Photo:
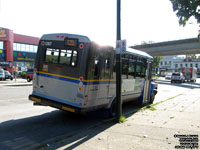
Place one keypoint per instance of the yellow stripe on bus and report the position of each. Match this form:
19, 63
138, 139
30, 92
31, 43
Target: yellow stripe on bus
36, 99
57, 75
68, 109
75, 78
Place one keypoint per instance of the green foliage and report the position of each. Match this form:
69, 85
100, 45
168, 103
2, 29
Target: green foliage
122, 119
191, 56
185, 9
156, 61
23, 74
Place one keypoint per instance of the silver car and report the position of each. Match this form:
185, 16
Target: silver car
177, 77
2, 74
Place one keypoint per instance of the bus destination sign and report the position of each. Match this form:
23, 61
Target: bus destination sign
71, 42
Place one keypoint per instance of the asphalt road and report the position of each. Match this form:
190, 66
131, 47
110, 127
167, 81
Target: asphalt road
24, 126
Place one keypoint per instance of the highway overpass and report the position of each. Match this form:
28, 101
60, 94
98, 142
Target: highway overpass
177, 47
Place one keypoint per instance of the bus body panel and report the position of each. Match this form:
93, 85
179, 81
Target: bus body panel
91, 82
53, 87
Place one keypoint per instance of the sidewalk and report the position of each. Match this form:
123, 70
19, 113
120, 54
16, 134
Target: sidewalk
18, 82
154, 128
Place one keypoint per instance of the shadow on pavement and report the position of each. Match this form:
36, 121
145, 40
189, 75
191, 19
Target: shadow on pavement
74, 141
190, 85
38, 131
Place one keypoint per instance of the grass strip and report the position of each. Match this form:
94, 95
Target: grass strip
151, 107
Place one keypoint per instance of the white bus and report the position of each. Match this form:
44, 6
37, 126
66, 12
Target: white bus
73, 73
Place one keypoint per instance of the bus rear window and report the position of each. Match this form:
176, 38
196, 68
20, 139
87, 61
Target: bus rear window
61, 56
52, 55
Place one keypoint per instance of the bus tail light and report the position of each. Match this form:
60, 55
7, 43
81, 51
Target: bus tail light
179, 77
81, 78
81, 46
35, 70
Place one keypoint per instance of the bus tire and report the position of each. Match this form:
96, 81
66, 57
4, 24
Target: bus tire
112, 110
28, 79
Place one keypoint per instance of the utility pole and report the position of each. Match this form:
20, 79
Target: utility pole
118, 66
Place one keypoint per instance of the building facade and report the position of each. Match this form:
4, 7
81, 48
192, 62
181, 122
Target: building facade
16, 50
175, 63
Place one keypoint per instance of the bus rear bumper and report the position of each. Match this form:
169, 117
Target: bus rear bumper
47, 102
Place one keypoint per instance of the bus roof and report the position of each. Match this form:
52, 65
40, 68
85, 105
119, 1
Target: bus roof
61, 36
138, 53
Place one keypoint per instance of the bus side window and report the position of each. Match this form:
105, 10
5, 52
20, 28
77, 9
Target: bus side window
131, 69
138, 69
124, 69
144, 67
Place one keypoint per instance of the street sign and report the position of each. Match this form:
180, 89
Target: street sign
123, 45
120, 46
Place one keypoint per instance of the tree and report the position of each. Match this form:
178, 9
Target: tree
156, 61
185, 9
191, 56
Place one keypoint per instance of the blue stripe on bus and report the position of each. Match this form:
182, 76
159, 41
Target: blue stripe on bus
59, 78
75, 81
57, 99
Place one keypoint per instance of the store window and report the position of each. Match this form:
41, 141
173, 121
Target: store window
35, 49
1, 45
31, 48
18, 47
14, 46
23, 47
27, 48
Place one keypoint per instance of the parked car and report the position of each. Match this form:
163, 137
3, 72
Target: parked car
2, 74
29, 75
8, 75
177, 77
168, 76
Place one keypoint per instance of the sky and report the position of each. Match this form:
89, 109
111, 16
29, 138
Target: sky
141, 20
